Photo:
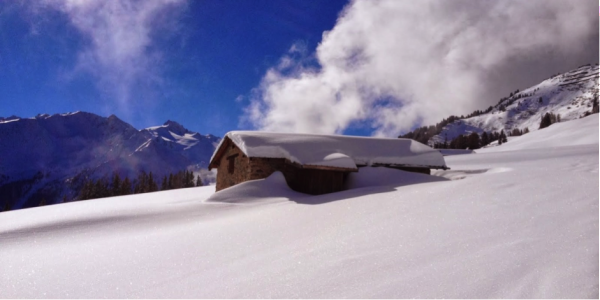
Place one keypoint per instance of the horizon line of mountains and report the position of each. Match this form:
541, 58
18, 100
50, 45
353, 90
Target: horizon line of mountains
44, 155
43, 158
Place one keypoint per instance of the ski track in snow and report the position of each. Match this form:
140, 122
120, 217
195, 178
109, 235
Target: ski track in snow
518, 222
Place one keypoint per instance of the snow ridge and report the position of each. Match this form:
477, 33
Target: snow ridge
570, 94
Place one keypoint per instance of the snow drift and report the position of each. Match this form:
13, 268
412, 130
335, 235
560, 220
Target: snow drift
517, 224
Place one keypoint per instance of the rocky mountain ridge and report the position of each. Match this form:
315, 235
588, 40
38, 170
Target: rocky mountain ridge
569, 95
43, 157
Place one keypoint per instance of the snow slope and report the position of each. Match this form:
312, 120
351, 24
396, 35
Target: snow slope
518, 224
558, 134
570, 94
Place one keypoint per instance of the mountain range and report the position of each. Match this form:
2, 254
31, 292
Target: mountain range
44, 158
570, 95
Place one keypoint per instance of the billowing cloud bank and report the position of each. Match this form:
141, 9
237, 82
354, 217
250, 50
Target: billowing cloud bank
119, 47
395, 63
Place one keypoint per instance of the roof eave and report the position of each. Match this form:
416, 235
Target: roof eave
214, 162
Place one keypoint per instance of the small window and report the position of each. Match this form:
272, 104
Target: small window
231, 165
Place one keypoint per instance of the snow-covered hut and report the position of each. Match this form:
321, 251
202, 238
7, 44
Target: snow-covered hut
314, 164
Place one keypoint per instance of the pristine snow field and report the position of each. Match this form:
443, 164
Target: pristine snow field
503, 222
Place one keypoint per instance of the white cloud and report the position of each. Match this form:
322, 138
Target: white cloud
119, 39
394, 63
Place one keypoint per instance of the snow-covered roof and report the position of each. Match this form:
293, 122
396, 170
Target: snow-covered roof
336, 151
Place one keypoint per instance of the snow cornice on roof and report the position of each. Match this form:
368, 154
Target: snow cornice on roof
337, 151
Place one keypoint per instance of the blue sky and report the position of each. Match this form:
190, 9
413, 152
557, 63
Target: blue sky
379, 68
217, 52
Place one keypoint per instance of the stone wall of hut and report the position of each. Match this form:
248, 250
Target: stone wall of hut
235, 168
228, 175
307, 181
264, 167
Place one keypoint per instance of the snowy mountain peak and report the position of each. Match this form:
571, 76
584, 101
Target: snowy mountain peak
176, 127
47, 151
42, 116
11, 118
116, 122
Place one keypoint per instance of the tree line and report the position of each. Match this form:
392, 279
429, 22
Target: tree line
476, 141
425, 133
144, 183
549, 119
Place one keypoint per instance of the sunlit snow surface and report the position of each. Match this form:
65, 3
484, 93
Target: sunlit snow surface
334, 150
501, 223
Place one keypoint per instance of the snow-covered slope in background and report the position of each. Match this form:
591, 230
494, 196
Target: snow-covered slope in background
499, 224
558, 134
39, 156
570, 94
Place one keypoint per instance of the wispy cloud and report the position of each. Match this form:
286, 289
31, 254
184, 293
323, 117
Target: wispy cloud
395, 63
119, 42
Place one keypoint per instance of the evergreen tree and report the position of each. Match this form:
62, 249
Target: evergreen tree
163, 185
461, 142
116, 185
452, 144
87, 191
502, 137
141, 185
190, 179
152, 187
545, 121
145, 187
126, 187
485, 140
186, 179
101, 189
6, 206
199, 181
526, 131
178, 180
473, 141
170, 183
